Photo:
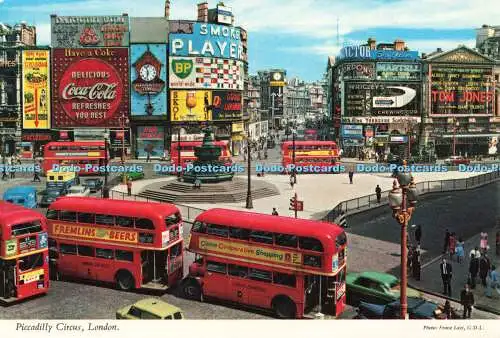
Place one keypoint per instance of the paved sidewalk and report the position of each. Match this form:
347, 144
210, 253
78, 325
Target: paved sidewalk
431, 277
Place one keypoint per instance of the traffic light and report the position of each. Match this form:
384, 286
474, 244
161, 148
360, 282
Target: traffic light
293, 203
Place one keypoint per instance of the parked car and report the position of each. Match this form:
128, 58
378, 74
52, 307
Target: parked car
374, 287
51, 194
456, 160
94, 184
418, 308
150, 308
24, 196
134, 175
78, 191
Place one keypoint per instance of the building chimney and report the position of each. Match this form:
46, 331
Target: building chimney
203, 12
167, 9
399, 45
372, 43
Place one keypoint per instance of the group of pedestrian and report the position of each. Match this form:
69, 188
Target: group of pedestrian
10, 161
454, 246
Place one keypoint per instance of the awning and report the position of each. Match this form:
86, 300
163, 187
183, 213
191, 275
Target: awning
470, 135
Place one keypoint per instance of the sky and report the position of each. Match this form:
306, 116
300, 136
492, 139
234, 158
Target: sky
296, 35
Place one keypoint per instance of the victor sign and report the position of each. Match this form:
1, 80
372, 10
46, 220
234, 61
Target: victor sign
92, 90
208, 40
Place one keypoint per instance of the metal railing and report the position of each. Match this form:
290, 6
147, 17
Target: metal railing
370, 201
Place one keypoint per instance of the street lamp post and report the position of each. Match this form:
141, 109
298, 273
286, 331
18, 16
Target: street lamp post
402, 200
105, 189
123, 121
293, 156
249, 204
179, 169
455, 127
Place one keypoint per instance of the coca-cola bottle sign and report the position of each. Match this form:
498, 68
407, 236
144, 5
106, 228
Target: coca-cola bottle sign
90, 91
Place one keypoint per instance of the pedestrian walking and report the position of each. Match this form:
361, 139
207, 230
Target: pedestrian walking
459, 250
473, 270
446, 275
148, 157
446, 241
275, 212
292, 180
475, 252
351, 175
418, 234
467, 301
493, 282
483, 243
12, 173
36, 177
452, 245
378, 192
129, 187
484, 268
4, 174
416, 264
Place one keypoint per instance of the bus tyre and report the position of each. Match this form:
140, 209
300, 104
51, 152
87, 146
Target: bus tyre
125, 280
192, 290
284, 307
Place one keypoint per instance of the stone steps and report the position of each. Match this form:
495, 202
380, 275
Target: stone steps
206, 187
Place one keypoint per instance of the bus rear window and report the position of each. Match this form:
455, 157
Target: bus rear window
172, 219
26, 228
340, 240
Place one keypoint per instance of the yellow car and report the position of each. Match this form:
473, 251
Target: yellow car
150, 308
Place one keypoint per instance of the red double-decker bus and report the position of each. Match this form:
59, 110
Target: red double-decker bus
24, 267
133, 244
187, 152
289, 265
310, 135
77, 154
310, 153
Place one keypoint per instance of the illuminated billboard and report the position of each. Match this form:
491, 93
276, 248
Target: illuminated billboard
36, 89
190, 105
398, 71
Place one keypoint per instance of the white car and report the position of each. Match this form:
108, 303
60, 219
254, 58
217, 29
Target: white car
78, 191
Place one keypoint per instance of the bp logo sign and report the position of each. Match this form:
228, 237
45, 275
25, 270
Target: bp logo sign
182, 68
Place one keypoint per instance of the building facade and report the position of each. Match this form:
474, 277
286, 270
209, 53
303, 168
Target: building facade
13, 40
376, 98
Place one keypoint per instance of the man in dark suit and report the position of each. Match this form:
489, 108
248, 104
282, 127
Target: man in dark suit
473, 270
467, 300
484, 268
446, 272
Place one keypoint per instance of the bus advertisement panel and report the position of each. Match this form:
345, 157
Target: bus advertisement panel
320, 154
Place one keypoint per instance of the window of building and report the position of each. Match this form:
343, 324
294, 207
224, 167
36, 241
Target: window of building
238, 271
31, 262
308, 243
238, 233
217, 230
104, 253
52, 214
86, 218
144, 223
216, 267
68, 216
314, 261
284, 279
68, 249
85, 251
261, 275
286, 240
126, 222
105, 219
122, 255
262, 237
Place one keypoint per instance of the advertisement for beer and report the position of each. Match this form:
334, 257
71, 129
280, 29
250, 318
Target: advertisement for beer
190, 105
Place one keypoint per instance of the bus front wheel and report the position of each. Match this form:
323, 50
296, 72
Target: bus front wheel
192, 290
125, 280
284, 307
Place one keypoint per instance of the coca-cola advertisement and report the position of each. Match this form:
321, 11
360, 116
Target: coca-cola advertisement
90, 87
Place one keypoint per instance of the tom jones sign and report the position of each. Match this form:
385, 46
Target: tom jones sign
89, 31
90, 86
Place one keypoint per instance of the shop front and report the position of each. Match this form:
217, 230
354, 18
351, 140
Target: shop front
150, 142
120, 144
237, 138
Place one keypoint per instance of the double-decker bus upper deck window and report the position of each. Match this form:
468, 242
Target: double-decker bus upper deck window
68, 249
290, 241
52, 148
104, 253
239, 233
26, 228
31, 262
105, 219
262, 237
126, 222
172, 219
261, 275
68, 216
199, 227
84, 217
144, 223
94, 147
217, 230
311, 260
216, 267
340, 240
308, 243
52, 214
86, 251
238, 271
145, 237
